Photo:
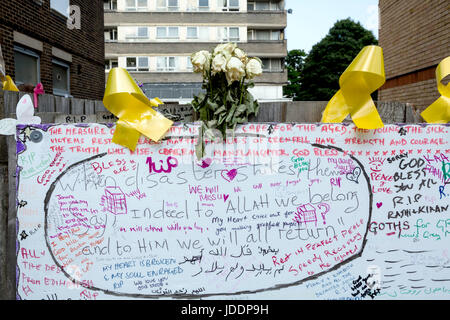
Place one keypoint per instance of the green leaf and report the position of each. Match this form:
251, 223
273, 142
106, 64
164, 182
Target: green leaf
231, 113
221, 110
242, 108
211, 105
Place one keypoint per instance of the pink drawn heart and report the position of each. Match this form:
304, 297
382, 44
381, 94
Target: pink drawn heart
229, 175
379, 204
225, 197
206, 163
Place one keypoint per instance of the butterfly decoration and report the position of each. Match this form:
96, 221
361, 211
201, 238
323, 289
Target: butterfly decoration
24, 114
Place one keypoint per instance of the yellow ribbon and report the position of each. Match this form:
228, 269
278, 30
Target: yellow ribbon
125, 100
9, 85
439, 111
362, 77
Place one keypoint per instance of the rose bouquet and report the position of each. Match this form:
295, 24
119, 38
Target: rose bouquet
226, 101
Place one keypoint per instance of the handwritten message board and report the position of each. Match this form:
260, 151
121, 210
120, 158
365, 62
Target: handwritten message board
279, 211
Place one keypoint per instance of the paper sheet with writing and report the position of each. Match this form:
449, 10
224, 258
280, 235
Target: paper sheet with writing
279, 211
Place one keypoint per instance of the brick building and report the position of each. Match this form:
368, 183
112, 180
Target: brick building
415, 37
40, 45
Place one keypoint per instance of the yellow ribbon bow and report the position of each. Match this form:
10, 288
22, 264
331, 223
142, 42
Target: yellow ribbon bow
9, 85
362, 77
125, 100
439, 111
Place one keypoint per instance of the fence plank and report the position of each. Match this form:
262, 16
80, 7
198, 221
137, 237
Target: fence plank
62, 105
46, 103
3, 228
77, 106
10, 101
11, 221
89, 107
99, 107
391, 112
270, 112
305, 111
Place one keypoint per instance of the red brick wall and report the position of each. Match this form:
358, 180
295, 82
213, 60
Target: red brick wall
42, 23
415, 37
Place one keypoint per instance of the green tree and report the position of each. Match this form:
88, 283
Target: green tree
294, 65
329, 58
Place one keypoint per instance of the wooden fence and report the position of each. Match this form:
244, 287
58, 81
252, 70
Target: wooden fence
53, 109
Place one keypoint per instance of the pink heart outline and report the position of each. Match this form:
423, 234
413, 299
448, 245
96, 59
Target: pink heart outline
229, 174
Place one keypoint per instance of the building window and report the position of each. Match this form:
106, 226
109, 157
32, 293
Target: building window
61, 78
167, 32
263, 6
275, 35
167, 5
192, 33
136, 5
111, 35
27, 66
137, 33
264, 35
228, 5
109, 64
143, 65
62, 6
110, 5
229, 34
189, 66
137, 64
203, 5
131, 63
271, 65
166, 64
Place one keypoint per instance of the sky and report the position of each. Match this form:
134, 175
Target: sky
311, 20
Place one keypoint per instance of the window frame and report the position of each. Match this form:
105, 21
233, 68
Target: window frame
29, 52
202, 8
131, 69
166, 67
196, 33
58, 92
110, 5
271, 65
135, 35
225, 36
166, 6
110, 62
112, 31
226, 6
167, 36
136, 6
189, 66
138, 67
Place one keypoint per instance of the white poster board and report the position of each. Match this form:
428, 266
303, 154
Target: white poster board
280, 211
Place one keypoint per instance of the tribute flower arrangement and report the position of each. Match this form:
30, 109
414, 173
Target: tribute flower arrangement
227, 73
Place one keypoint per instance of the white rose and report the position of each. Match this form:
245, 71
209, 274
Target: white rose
253, 68
238, 53
225, 49
201, 60
235, 70
219, 63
